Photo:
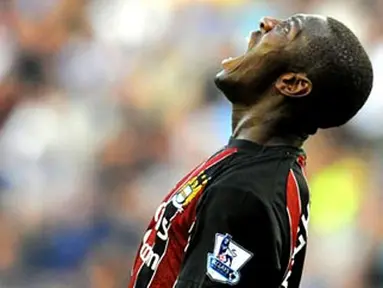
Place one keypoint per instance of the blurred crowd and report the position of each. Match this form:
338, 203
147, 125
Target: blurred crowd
118, 102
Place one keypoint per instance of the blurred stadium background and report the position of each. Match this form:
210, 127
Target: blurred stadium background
118, 102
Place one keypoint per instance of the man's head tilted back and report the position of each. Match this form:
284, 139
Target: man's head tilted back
312, 66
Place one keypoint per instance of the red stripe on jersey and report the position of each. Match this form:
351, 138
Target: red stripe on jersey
170, 265
294, 211
170, 262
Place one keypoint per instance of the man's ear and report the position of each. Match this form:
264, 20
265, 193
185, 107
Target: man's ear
294, 85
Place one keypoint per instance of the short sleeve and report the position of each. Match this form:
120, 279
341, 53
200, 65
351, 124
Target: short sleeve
234, 242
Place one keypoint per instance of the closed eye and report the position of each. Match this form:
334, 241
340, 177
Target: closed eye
285, 26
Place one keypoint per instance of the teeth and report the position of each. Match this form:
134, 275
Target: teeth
227, 60
231, 63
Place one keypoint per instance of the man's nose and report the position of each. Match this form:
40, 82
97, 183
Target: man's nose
268, 23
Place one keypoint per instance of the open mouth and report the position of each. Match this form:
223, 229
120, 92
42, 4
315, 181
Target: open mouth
231, 63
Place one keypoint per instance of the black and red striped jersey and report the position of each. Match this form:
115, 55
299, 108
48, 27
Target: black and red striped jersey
238, 219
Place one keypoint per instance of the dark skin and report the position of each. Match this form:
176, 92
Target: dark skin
259, 83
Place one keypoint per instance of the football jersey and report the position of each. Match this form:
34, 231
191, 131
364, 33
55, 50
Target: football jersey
238, 219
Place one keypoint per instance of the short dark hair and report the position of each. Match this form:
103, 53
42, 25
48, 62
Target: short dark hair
341, 74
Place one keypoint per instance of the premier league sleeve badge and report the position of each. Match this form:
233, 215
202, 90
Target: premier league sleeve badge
228, 258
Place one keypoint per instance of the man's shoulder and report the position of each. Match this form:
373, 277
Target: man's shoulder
255, 177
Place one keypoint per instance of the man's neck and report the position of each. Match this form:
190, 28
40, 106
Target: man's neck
263, 126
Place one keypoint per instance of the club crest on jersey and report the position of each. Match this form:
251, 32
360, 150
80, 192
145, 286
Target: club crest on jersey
189, 190
228, 258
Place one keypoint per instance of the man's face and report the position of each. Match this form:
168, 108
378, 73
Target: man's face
269, 53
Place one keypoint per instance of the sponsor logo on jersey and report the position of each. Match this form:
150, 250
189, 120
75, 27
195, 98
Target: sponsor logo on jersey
163, 217
227, 259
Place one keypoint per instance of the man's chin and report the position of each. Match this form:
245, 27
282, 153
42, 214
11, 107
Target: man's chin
221, 74
227, 85
222, 79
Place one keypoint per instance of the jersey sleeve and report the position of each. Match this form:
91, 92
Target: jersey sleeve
234, 242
